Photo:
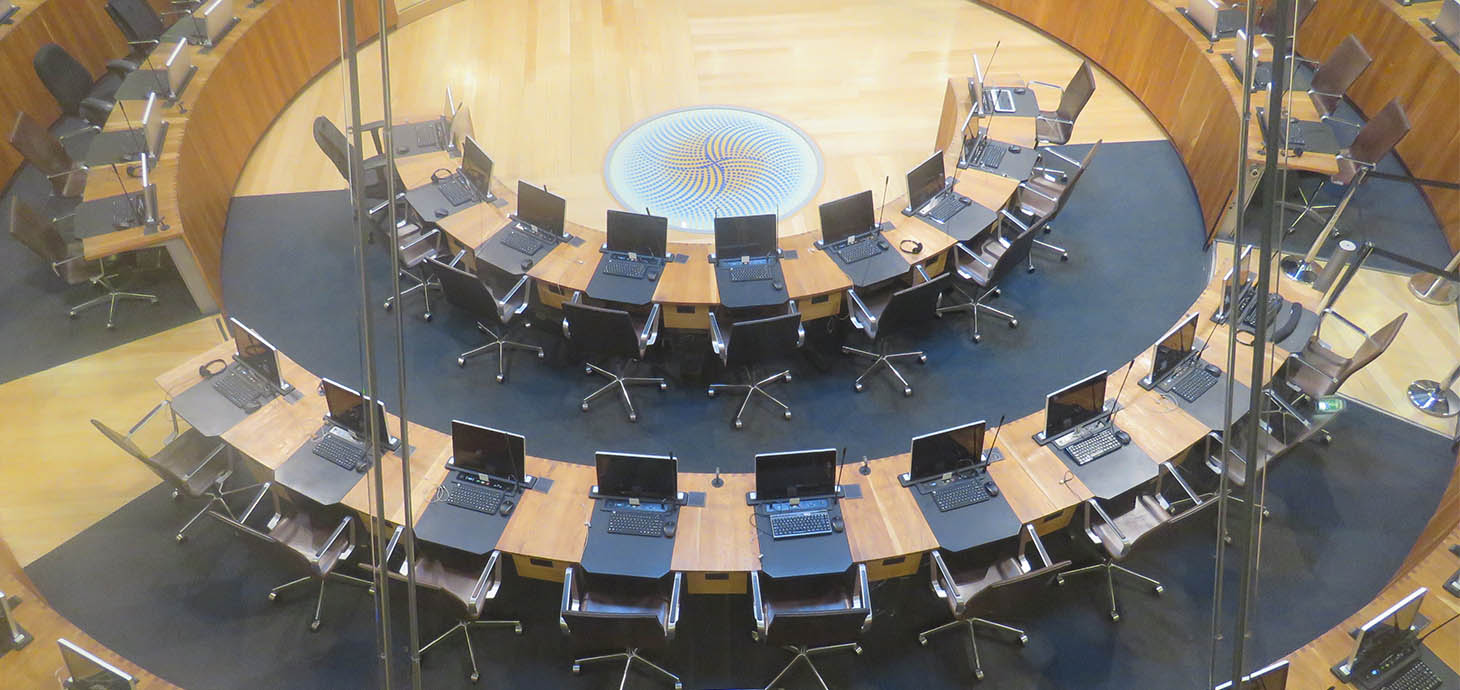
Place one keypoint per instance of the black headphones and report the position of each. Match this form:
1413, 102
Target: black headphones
441, 175
206, 371
917, 247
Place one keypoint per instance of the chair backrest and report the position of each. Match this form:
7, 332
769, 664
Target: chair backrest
1270, 22
66, 79
1084, 165
761, 339
39, 147
1338, 72
616, 628
600, 330
464, 291
36, 232
1373, 346
1077, 93
1380, 134
332, 142
913, 304
816, 628
137, 20
1017, 253
132, 449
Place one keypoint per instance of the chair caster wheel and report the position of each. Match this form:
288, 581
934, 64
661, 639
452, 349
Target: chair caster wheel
922, 640
998, 293
584, 407
787, 377
1013, 323
1059, 580
678, 685
710, 392
542, 355
517, 629
1265, 513
787, 415
663, 386
1029, 270
176, 496
1159, 590
475, 676
922, 359
857, 387
273, 596
71, 315
426, 316
1064, 257
1114, 617
978, 674
977, 338
739, 424
633, 418
314, 626
587, 371
501, 378
387, 306
112, 326
577, 669
1023, 640
907, 392
182, 538
460, 362
857, 649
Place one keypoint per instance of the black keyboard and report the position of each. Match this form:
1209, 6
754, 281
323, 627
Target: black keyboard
1193, 383
456, 190
748, 272
992, 156
240, 386
636, 523
855, 252
1418, 676
1096, 446
346, 454
516, 239
473, 496
946, 208
625, 268
965, 493
429, 135
802, 524
1249, 309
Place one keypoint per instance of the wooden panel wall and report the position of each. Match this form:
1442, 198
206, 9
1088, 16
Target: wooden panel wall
259, 72
1423, 74
82, 27
1157, 55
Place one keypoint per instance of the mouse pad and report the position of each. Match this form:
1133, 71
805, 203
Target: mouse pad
460, 528
316, 478
626, 554
969, 526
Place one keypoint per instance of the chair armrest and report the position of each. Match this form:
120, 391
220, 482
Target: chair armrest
148, 42
717, 339
1181, 481
392, 544
422, 237
941, 580
121, 67
757, 606
376, 209
674, 594
212, 454
1329, 118
1060, 156
490, 573
506, 300
568, 586
650, 334
867, 317
1030, 536
922, 272
373, 128
78, 169
1310, 61
150, 413
1014, 219
345, 522
1048, 85
257, 499
864, 594
240, 526
959, 246
1341, 319
1095, 505
68, 135
1325, 93
1029, 188
1059, 120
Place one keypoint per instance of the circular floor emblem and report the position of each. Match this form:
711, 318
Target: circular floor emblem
694, 164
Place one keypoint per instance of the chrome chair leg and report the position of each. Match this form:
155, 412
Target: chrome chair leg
629, 656
750, 390
110, 299
884, 360
620, 384
1307, 208
465, 627
1110, 567
805, 653
423, 285
500, 345
977, 305
1019, 635
1064, 255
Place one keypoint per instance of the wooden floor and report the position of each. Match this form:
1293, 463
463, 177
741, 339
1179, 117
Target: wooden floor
865, 78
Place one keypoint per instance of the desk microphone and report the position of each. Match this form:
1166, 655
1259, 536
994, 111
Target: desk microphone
1116, 405
883, 209
131, 202
717, 482
994, 445
136, 135
865, 469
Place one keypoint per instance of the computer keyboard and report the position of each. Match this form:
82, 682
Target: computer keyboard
964, 493
636, 523
991, 157
240, 386
1098, 445
1249, 309
1418, 676
857, 251
802, 524
946, 208
1191, 384
472, 496
999, 100
748, 272
625, 268
346, 454
456, 190
520, 241
427, 136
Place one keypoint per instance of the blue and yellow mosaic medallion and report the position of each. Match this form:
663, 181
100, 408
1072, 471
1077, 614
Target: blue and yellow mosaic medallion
694, 164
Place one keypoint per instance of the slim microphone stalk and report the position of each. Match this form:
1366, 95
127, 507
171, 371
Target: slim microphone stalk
1131, 367
886, 181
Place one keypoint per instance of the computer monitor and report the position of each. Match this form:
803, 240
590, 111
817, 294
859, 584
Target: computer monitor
540, 209
737, 236
942, 453
152, 127
795, 474
12, 636
179, 65
91, 673
847, 216
1174, 347
216, 20
640, 233
1447, 22
488, 451
461, 128
636, 476
1204, 14
1377, 637
1243, 45
1272, 677
1074, 405
256, 353
347, 410
476, 165
925, 181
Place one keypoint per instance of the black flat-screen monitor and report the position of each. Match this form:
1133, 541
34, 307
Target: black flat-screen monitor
795, 474
476, 165
1272, 677
488, 451
1378, 637
89, 672
633, 475
538, 208
461, 128
1074, 405
1174, 347
945, 452
640, 233
847, 216
737, 236
347, 410
925, 181
256, 353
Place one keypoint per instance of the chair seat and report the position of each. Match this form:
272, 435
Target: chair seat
300, 533
1048, 130
800, 596
630, 597
455, 581
187, 452
968, 583
1144, 516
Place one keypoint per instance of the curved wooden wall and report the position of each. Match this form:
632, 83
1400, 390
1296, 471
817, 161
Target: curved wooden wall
1423, 74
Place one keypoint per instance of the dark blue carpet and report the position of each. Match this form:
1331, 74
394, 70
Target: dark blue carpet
289, 262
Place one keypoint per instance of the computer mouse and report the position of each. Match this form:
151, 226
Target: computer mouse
964, 200
669, 528
526, 264
442, 213
402, 150
652, 276
1014, 148
881, 245
1019, 90
777, 285
1123, 437
506, 506
1213, 369
251, 406
362, 466
991, 488
836, 523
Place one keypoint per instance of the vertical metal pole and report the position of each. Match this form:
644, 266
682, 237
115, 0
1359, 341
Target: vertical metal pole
367, 338
413, 629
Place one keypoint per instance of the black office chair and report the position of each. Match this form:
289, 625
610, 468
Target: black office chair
1138, 513
478, 297
983, 264
46, 152
882, 313
1058, 125
469, 580
140, 24
625, 612
810, 616
42, 236
72, 87
1270, 23
751, 341
415, 244
376, 175
961, 579
611, 333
